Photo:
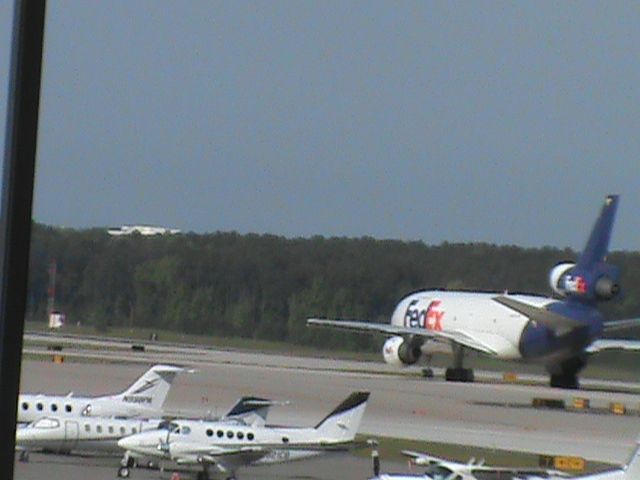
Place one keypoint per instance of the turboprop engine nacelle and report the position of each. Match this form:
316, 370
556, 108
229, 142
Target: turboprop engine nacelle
400, 352
599, 284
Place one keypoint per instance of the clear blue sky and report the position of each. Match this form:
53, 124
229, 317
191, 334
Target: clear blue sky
504, 122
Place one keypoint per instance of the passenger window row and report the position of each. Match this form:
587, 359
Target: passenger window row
110, 429
40, 407
230, 434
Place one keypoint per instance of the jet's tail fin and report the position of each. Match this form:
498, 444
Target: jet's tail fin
631, 470
342, 424
251, 410
597, 246
152, 388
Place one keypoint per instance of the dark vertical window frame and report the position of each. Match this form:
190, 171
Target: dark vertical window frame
15, 215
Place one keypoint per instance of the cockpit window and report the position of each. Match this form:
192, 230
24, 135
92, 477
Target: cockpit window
438, 472
168, 425
46, 423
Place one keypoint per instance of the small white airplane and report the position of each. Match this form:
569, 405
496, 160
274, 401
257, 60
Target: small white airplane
558, 333
144, 397
91, 434
440, 469
229, 447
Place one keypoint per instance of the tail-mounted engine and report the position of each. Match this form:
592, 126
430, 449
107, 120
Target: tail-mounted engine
557, 277
400, 352
599, 284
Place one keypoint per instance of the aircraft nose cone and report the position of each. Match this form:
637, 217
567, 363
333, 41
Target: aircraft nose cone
127, 443
23, 435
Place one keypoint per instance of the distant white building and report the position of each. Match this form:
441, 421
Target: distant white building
141, 230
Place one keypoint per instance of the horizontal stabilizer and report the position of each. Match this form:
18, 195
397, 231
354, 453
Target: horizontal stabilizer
616, 325
557, 323
611, 344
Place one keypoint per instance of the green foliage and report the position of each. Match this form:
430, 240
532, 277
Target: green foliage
265, 287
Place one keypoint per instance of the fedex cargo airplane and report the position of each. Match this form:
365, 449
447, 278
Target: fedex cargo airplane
559, 333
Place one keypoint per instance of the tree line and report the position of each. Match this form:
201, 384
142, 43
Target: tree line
265, 286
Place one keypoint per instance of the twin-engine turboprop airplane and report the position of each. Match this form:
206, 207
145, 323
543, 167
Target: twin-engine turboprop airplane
559, 333
144, 397
227, 447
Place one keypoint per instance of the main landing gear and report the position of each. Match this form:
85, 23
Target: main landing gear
566, 376
464, 375
458, 373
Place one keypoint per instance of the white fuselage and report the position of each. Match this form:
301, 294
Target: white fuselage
87, 434
473, 313
182, 442
34, 406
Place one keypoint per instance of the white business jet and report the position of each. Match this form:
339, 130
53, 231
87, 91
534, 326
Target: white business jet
144, 397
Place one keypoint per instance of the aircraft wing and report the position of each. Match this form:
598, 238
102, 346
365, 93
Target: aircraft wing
224, 458
473, 467
558, 323
456, 336
621, 324
215, 454
426, 459
612, 344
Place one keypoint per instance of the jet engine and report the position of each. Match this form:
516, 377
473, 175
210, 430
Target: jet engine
606, 288
557, 274
400, 352
600, 284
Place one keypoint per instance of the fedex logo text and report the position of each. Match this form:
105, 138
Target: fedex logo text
429, 318
575, 284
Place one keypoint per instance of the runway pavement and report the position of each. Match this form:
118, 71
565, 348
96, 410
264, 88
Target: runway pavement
329, 467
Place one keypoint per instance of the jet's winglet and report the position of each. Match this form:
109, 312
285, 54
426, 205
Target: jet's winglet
615, 325
612, 344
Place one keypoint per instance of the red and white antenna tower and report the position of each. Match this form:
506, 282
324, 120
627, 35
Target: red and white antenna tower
51, 292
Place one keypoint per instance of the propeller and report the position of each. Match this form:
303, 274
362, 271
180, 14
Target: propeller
163, 446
